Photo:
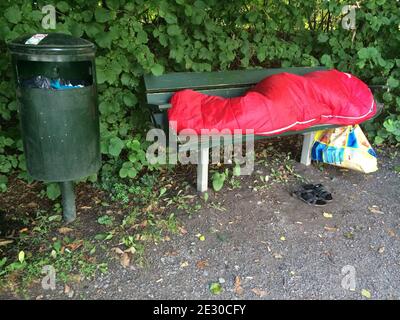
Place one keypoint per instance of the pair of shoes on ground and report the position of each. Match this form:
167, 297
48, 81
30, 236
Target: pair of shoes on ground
313, 194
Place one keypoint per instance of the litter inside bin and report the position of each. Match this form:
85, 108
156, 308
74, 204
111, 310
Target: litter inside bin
57, 84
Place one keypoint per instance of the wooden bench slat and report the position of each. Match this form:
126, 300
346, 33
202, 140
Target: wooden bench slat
219, 79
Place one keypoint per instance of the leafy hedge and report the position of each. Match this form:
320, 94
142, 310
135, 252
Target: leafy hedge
135, 37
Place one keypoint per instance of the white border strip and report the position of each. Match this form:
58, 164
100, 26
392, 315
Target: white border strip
308, 121
288, 127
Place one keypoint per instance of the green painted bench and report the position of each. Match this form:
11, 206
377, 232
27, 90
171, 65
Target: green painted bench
225, 84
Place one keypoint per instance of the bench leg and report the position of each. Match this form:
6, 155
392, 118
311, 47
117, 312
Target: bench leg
202, 169
307, 146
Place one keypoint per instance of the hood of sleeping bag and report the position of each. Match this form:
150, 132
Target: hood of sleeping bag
279, 103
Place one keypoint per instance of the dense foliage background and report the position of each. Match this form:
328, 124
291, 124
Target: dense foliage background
135, 37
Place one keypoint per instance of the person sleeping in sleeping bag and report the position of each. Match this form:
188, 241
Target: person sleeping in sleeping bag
279, 103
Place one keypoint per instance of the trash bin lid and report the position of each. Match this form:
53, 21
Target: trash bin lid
45, 44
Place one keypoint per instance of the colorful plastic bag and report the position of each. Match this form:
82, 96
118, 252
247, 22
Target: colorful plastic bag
346, 147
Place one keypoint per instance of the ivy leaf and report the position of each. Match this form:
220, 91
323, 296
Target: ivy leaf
218, 180
113, 4
392, 126
378, 140
62, 6
102, 15
130, 99
215, 288
105, 220
323, 37
105, 107
53, 191
173, 30
116, 146
126, 79
3, 183
76, 29
327, 60
134, 145
393, 83
157, 69
141, 37
163, 190
87, 15
127, 170
13, 14
107, 70
104, 39
236, 170
93, 29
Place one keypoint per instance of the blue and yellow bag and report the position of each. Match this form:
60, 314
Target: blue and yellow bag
346, 147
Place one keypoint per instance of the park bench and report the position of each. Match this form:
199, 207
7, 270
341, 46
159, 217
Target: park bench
159, 90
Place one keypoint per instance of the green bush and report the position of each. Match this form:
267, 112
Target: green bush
153, 36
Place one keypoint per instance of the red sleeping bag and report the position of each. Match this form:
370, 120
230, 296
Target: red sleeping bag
279, 103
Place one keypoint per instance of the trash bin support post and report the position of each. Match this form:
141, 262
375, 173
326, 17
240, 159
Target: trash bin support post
68, 200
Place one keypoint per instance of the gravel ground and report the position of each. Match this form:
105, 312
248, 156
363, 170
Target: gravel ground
274, 246
277, 246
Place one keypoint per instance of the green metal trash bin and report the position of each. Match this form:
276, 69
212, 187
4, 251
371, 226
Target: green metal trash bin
57, 98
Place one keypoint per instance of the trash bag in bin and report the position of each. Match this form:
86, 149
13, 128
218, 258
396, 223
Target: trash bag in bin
46, 83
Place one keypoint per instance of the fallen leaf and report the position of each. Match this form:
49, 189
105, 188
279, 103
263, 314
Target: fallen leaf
117, 250
184, 264
202, 264
277, 256
68, 291
238, 288
349, 235
328, 215
125, 259
32, 205
201, 237
143, 224
365, 293
75, 245
5, 242
215, 288
21, 256
259, 292
375, 209
171, 253
131, 250
391, 233
65, 230
76, 278
282, 238
331, 229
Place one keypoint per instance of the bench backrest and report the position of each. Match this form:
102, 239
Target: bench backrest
221, 83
